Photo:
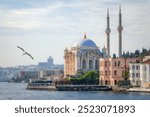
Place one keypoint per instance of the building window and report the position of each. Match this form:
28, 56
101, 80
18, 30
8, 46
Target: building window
84, 64
118, 63
96, 64
115, 82
133, 75
137, 67
105, 73
115, 72
137, 75
106, 63
115, 64
106, 82
133, 67
90, 64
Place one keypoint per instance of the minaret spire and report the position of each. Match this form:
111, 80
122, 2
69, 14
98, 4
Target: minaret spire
120, 28
85, 36
108, 33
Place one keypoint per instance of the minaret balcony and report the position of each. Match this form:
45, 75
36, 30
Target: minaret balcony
108, 31
120, 28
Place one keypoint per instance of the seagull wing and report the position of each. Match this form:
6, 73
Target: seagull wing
29, 55
21, 48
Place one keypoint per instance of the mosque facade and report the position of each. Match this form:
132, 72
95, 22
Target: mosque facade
81, 57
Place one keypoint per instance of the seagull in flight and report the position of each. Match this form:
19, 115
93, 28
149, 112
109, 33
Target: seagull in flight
25, 52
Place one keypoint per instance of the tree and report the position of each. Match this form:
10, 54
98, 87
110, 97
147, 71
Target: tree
114, 55
125, 74
90, 77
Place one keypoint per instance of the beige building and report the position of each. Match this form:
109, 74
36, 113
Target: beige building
51, 74
81, 57
111, 69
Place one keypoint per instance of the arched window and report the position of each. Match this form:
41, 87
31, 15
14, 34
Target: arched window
90, 64
96, 64
84, 64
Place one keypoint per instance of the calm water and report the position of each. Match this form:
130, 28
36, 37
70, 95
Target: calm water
17, 91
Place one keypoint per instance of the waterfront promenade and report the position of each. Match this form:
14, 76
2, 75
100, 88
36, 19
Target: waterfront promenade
138, 90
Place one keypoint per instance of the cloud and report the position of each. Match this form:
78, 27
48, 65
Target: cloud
53, 25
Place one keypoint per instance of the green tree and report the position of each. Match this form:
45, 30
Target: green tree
125, 74
90, 77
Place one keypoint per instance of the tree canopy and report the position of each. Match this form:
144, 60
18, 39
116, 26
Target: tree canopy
90, 77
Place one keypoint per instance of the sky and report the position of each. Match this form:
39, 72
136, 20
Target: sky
46, 27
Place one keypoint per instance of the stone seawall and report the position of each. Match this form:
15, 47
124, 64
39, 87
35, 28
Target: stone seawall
138, 90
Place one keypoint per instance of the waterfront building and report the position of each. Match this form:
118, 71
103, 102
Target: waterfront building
111, 69
140, 73
26, 74
51, 74
8, 73
83, 56
49, 64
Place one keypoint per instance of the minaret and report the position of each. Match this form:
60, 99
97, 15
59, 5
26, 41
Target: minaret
108, 34
120, 28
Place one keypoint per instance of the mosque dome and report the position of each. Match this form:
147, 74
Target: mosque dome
85, 43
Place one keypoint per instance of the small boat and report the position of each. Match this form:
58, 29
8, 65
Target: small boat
41, 85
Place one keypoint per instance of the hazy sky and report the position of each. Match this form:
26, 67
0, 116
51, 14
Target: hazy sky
46, 27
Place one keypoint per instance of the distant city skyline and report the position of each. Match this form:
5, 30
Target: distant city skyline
46, 27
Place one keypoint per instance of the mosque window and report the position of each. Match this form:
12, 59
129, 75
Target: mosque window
90, 64
96, 64
84, 64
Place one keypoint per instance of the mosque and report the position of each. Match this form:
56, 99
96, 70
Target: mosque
84, 56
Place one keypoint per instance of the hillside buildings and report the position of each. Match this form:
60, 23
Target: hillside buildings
49, 64
51, 74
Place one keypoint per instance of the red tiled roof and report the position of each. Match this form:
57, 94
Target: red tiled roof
147, 62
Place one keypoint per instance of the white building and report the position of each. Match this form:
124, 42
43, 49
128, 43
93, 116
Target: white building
140, 74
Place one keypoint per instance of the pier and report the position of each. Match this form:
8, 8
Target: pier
82, 88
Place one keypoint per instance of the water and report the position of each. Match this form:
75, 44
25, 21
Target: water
17, 91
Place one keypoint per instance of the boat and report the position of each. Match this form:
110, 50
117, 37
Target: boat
41, 85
